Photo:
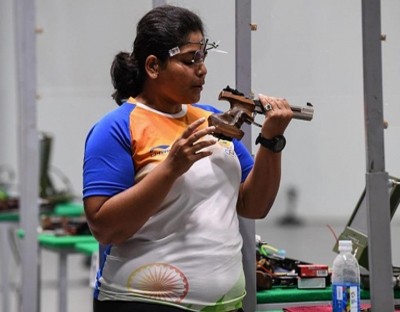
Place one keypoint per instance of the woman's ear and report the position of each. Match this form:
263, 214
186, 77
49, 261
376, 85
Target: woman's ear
151, 66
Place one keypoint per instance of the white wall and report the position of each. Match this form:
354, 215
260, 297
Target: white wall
8, 105
304, 50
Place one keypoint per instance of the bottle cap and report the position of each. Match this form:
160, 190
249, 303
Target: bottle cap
345, 245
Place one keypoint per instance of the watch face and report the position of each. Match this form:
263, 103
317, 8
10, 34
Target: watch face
280, 143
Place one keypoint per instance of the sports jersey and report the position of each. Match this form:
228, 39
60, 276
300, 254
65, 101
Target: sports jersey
188, 254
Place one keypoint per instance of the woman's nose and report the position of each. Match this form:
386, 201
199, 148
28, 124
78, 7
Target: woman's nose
202, 70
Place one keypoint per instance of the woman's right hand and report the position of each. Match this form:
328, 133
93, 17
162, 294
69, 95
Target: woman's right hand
190, 147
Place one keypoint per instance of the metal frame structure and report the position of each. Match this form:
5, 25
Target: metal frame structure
243, 82
28, 158
378, 205
378, 219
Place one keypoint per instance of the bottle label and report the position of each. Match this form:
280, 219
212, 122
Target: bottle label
346, 297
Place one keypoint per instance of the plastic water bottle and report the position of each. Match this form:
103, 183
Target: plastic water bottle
345, 280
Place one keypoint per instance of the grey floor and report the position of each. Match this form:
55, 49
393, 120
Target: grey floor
312, 242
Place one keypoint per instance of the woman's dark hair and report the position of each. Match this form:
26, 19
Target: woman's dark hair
160, 30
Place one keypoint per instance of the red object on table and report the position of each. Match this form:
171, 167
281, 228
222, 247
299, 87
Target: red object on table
323, 308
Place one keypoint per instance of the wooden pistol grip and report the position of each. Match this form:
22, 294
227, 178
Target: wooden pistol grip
245, 104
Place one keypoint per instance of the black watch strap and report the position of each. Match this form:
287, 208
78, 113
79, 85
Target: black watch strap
276, 144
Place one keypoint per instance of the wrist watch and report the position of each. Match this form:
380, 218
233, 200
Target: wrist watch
276, 144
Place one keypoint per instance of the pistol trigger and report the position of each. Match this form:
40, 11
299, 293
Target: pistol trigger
259, 108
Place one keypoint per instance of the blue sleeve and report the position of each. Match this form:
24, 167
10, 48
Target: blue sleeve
245, 158
108, 166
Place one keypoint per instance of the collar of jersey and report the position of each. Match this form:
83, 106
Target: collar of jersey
148, 108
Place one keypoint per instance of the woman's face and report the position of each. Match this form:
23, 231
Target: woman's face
181, 80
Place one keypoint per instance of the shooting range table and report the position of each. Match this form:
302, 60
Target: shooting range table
278, 298
62, 245
87, 248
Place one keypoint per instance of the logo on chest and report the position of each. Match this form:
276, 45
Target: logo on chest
227, 147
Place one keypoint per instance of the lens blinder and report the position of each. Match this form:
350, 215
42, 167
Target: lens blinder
198, 57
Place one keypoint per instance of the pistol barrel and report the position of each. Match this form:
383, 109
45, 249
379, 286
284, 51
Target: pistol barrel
303, 113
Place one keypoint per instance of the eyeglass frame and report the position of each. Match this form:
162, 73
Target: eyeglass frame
199, 54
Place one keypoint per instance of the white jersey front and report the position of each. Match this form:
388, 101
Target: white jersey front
189, 253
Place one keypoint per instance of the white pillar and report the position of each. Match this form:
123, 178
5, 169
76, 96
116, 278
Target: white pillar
28, 151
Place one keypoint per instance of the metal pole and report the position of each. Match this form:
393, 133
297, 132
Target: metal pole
243, 83
378, 206
28, 151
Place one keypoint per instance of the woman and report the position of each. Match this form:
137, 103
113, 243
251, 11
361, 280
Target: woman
160, 191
